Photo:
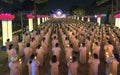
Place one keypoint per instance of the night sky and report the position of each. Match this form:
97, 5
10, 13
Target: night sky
65, 4
55, 4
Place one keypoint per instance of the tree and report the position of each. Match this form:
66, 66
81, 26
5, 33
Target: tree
36, 1
40, 1
79, 12
117, 5
11, 1
100, 2
10, 5
1, 10
35, 9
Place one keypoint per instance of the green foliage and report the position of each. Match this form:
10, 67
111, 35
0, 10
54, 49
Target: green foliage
8, 1
79, 11
100, 2
1, 10
11, 1
37, 1
40, 1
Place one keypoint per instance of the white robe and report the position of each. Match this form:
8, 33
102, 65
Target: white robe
83, 56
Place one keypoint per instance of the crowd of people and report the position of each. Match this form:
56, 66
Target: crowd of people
80, 42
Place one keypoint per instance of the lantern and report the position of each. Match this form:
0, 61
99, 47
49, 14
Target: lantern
43, 18
117, 20
77, 17
88, 18
6, 26
99, 19
30, 21
38, 19
82, 18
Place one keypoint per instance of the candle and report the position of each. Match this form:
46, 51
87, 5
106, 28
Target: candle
35, 57
89, 53
70, 58
80, 44
41, 47
107, 55
110, 74
20, 60
114, 39
68, 45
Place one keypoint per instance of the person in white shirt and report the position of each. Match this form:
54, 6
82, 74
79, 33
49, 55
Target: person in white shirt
21, 46
96, 48
28, 52
94, 63
15, 66
33, 44
109, 48
73, 66
54, 63
56, 50
40, 54
54, 41
112, 64
33, 65
69, 50
11, 51
8, 43
83, 53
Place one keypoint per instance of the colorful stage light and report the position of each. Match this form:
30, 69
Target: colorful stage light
59, 14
